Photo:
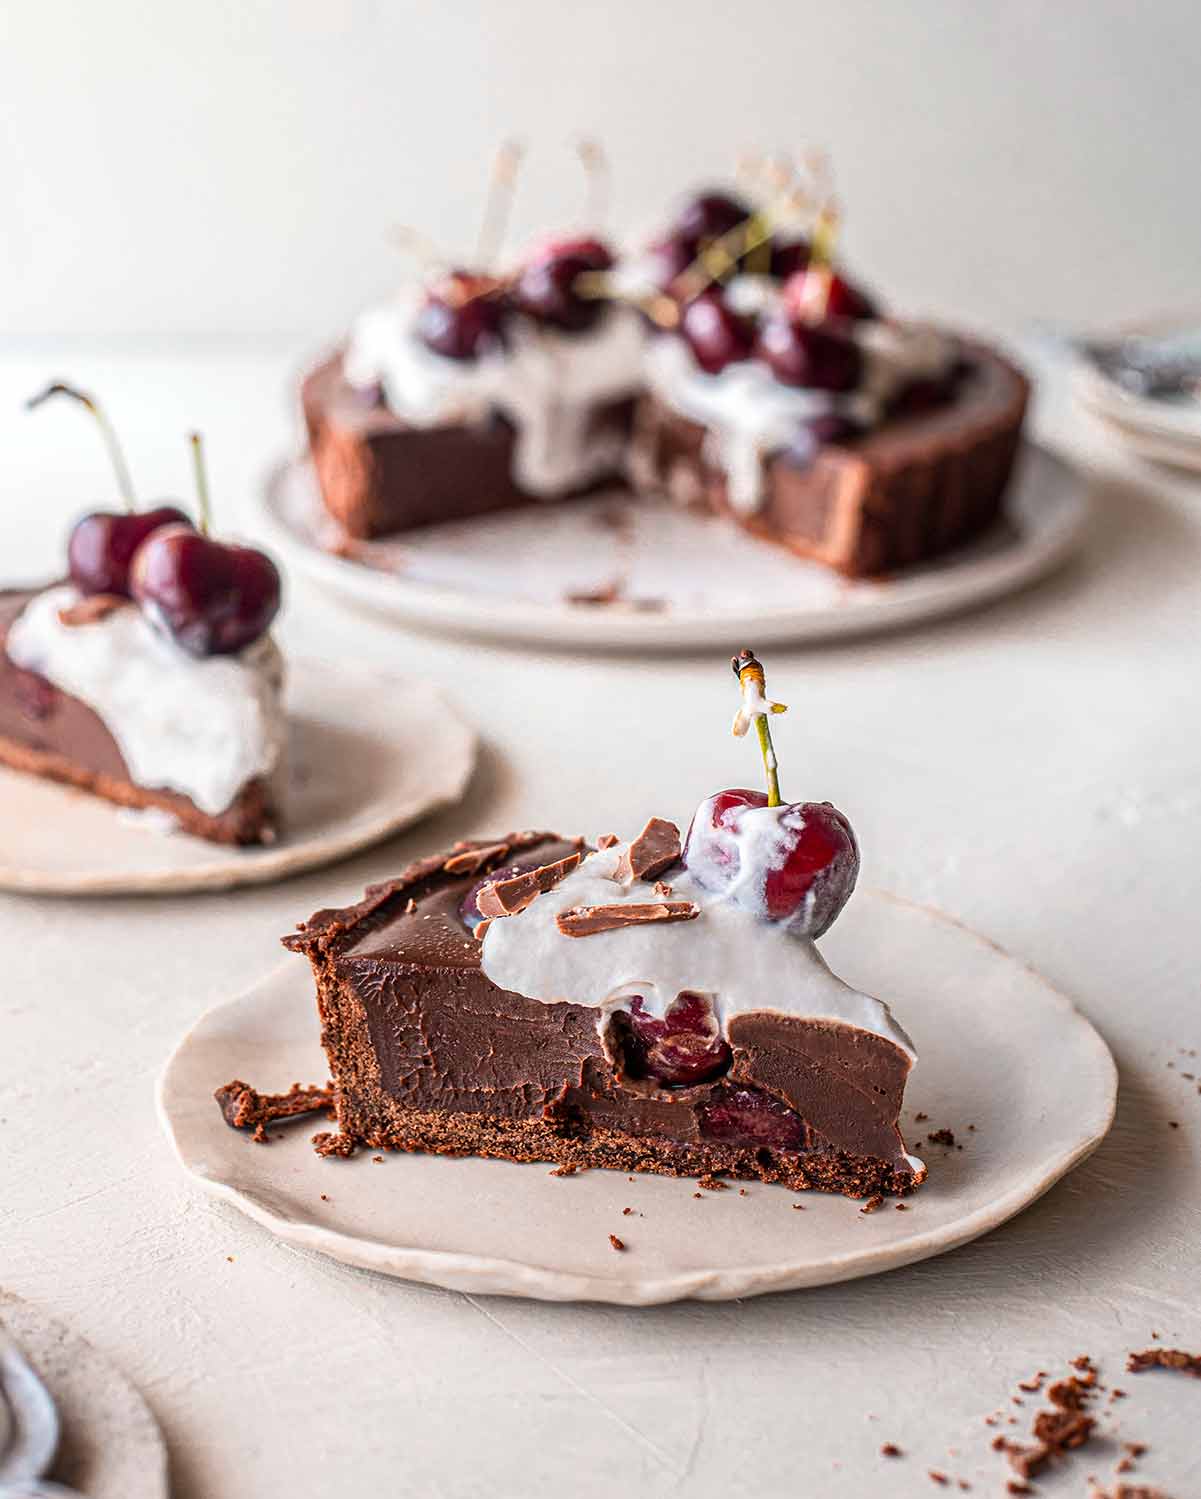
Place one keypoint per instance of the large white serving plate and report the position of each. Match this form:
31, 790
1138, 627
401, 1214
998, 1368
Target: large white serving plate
1020, 1076
368, 754
685, 580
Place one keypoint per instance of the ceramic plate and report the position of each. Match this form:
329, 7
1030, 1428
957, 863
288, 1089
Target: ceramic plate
983, 1024
1166, 431
110, 1445
673, 579
368, 754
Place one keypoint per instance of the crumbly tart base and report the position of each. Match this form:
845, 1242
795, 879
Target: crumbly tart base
580, 1149
250, 819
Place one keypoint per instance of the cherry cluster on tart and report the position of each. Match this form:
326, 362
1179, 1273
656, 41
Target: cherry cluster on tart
147, 675
731, 365
652, 1005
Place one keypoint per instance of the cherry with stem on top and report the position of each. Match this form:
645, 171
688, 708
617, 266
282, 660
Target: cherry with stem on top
793, 863
212, 598
103, 542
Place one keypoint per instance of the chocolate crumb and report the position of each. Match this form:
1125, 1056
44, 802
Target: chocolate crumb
617, 1243
378, 1159
324, 1197
798, 1207
711, 1183
340, 1145
662, 889
242, 1107
699, 1195
900, 1207
1174, 1359
607, 840
567, 1169
941, 1137
742, 1191
890, 1449
872, 1203
1173, 1123
1034, 1383
1016, 1486
937, 1477
625, 1212
920, 1118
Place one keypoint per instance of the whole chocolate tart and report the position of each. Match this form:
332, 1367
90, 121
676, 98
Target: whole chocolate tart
922, 484
428, 1053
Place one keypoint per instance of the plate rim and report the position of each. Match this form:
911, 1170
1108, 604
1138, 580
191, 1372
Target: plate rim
280, 861
458, 1270
1140, 415
974, 582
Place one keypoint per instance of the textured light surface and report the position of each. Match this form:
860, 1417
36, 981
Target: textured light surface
1032, 769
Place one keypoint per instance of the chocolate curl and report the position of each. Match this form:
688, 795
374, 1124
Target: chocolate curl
655, 849
507, 897
588, 921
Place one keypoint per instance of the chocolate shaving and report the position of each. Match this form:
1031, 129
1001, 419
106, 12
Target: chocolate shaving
244, 1108
507, 897
92, 609
1165, 1358
655, 849
607, 840
587, 921
467, 860
618, 1244
872, 1203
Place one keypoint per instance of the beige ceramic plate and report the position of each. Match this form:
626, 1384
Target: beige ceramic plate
368, 755
684, 581
110, 1446
983, 1023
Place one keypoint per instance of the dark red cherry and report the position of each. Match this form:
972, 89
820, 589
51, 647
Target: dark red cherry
805, 867
819, 356
546, 288
716, 334
462, 316
681, 1050
212, 598
708, 216
748, 1116
788, 257
102, 545
841, 300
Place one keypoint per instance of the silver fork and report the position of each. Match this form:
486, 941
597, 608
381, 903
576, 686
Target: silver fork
29, 1429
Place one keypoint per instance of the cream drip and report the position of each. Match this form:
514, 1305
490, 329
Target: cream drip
729, 952
203, 727
752, 415
547, 383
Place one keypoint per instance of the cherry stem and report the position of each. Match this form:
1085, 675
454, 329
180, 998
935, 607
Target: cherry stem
107, 432
769, 761
757, 705
499, 204
721, 255
596, 169
203, 505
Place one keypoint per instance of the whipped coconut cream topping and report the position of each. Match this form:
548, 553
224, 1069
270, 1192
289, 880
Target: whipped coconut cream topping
751, 415
203, 727
547, 383
729, 952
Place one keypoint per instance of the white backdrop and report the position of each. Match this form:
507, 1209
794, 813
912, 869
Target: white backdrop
234, 167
